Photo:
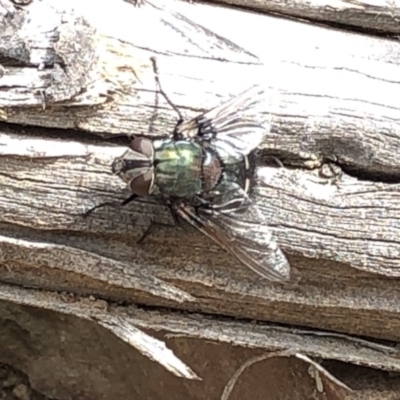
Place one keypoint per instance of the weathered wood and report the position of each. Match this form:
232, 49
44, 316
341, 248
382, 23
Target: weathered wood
50, 192
221, 347
332, 96
329, 91
379, 15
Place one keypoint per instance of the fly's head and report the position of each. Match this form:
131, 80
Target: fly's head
135, 166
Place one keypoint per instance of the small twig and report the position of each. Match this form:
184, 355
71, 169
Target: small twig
232, 382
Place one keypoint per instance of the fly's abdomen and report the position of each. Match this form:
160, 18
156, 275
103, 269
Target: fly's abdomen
178, 168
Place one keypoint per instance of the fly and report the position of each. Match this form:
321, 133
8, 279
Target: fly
204, 173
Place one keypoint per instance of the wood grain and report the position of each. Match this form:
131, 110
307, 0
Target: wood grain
79, 82
379, 16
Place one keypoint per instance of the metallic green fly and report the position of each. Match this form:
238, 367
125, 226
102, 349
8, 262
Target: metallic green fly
204, 172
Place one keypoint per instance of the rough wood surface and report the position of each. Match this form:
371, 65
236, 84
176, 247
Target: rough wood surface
377, 15
216, 348
332, 95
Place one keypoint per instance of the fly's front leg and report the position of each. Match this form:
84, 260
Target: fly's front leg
176, 134
114, 204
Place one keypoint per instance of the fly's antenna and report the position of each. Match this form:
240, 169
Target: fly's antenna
174, 107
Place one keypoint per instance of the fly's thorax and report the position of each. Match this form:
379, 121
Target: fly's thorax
178, 168
184, 168
135, 166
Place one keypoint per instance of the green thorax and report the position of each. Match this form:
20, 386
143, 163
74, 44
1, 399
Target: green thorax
178, 168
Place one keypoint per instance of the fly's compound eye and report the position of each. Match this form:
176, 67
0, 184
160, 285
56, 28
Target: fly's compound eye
143, 146
142, 185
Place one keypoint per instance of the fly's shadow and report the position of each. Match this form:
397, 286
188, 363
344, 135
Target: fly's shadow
176, 135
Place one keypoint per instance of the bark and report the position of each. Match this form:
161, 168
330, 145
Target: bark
75, 82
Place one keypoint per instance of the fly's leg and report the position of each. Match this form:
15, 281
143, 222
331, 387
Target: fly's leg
115, 204
174, 107
176, 134
203, 205
174, 214
154, 224
131, 198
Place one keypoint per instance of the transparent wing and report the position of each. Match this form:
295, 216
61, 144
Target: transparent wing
241, 233
233, 128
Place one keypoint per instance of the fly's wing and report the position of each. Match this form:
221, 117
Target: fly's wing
241, 233
233, 128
